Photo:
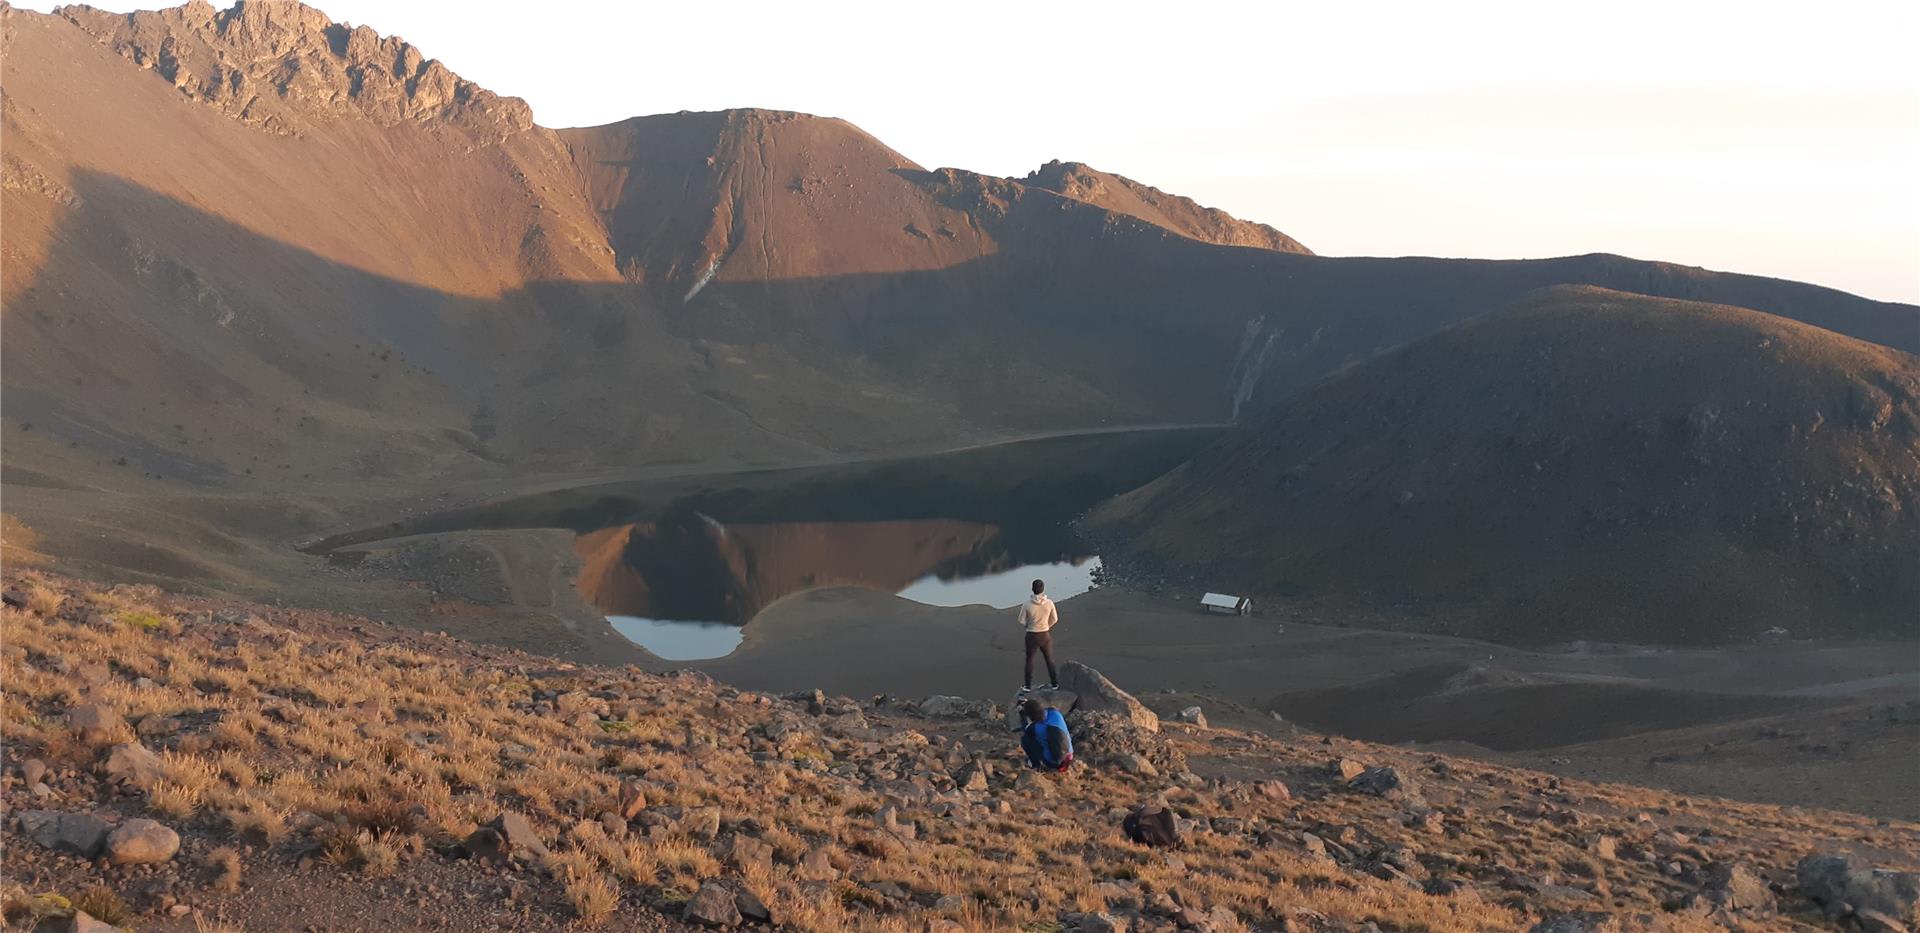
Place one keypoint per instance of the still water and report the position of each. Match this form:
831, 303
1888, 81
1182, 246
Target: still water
694, 640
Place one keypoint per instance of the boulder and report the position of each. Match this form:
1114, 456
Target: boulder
1151, 825
33, 771
81, 834
950, 707
156, 725
972, 777
702, 823
1385, 781
1095, 693
80, 922
632, 799
94, 722
513, 836
1273, 790
712, 906
1832, 880
1062, 700
752, 908
1107, 736
817, 865
1193, 716
485, 844
1135, 763
141, 842
1102, 922
744, 852
1580, 922
1732, 886
133, 764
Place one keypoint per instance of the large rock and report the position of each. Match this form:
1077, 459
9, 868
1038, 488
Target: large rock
1151, 825
80, 922
948, 707
1832, 880
1111, 737
509, 836
1581, 922
753, 908
631, 799
81, 834
1732, 886
141, 842
1385, 781
746, 852
714, 906
1060, 699
133, 764
94, 722
1097, 694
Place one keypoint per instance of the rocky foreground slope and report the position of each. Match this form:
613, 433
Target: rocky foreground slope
1583, 464
186, 764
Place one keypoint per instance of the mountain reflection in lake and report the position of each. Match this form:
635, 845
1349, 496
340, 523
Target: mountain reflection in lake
666, 584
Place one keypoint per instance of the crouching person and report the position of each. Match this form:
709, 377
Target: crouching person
1045, 738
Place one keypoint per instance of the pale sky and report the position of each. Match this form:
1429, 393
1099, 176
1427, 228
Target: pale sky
1771, 138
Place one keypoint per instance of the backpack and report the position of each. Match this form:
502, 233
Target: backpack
1151, 826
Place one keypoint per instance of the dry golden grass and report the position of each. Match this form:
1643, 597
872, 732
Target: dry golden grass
370, 750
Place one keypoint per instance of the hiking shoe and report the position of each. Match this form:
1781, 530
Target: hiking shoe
1051, 687
1024, 691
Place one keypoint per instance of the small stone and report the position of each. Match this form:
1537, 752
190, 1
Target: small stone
1347, 768
33, 771
1192, 715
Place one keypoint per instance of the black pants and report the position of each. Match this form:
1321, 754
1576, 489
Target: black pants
1043, 643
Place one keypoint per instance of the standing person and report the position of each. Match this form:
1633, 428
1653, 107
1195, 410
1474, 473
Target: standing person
1045, 739
1038, 617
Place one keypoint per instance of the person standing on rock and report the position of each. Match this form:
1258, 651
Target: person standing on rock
1038, 617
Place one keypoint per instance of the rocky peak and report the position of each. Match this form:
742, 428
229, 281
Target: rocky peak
286, 66
1123, 195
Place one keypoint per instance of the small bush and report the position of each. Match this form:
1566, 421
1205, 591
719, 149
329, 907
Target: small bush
592, 899
102, 904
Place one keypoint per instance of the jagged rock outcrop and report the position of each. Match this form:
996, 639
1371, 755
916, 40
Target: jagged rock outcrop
285, 66
1123, 195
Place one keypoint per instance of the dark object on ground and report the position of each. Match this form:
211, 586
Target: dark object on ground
1152, 826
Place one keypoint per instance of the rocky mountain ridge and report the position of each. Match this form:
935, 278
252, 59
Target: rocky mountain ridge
1125, 196
286, 67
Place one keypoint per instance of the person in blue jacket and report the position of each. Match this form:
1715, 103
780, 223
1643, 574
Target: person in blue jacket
1045, 739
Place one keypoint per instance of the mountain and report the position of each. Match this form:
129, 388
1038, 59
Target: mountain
1585, 464
1123, 195
257, 253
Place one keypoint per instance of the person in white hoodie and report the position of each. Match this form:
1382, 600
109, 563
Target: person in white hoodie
1038, 617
